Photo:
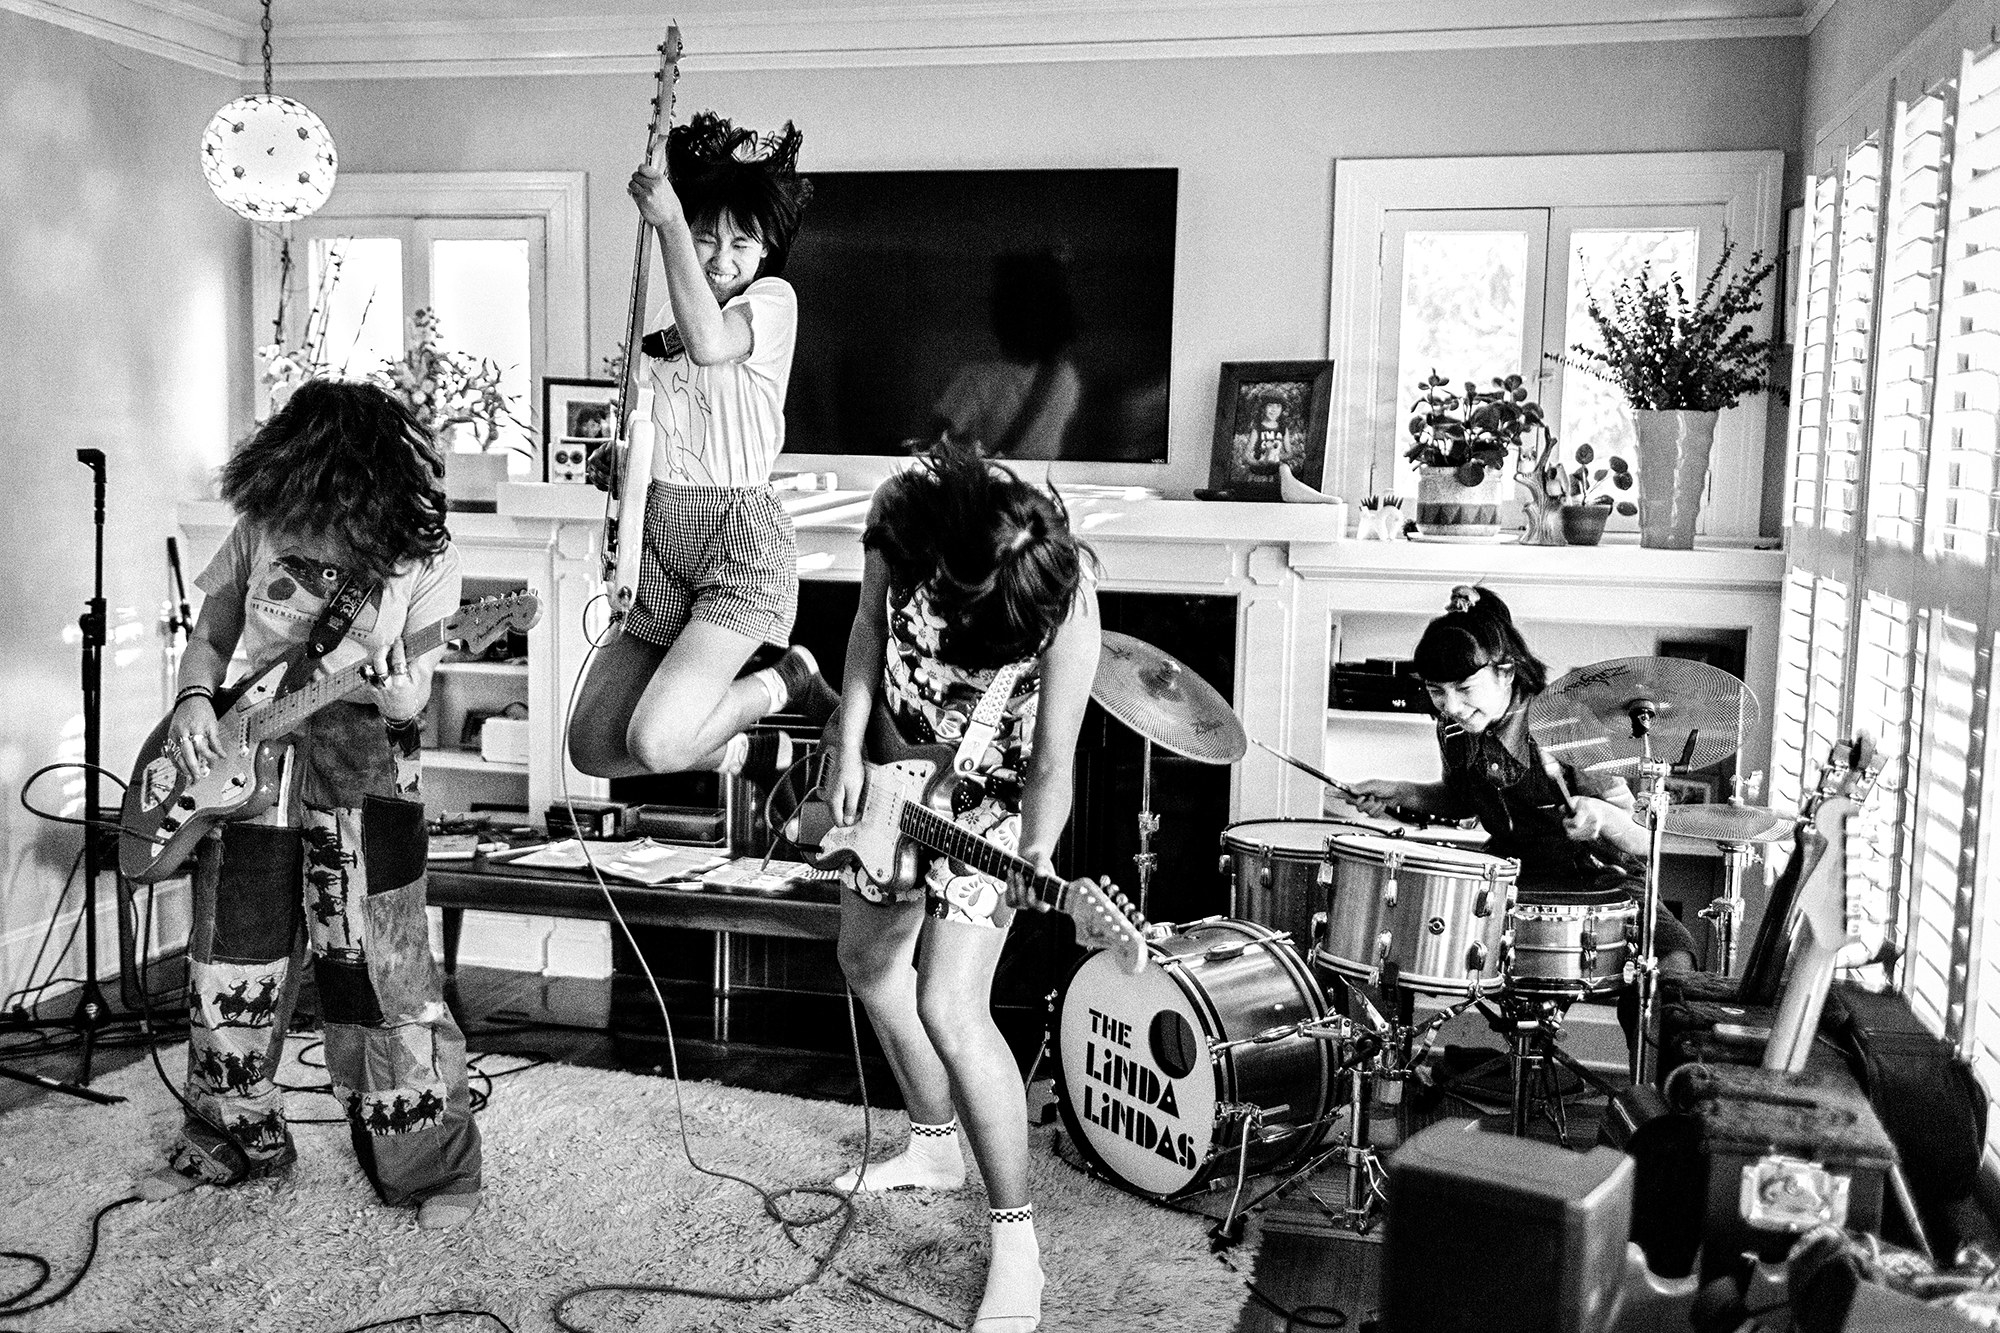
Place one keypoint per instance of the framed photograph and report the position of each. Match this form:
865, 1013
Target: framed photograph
577, 415
1269, 413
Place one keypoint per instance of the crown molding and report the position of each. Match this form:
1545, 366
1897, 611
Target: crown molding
826, 34
1816, 11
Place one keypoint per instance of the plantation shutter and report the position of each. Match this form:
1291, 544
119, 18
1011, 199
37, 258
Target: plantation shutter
1815, 322
1853, 326
1913, 282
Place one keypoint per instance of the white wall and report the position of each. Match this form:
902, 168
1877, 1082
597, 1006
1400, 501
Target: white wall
122, 328
1859, 45
1254, 138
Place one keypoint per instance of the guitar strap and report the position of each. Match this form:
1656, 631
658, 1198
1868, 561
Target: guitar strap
330, 629
984, 724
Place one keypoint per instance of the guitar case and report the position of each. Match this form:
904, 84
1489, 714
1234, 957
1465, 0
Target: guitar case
1926, 1095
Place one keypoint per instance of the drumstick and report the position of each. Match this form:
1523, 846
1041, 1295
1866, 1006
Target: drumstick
1308, 769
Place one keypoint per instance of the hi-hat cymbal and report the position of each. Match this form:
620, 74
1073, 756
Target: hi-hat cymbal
1723, 823
1165, 702
1603, 717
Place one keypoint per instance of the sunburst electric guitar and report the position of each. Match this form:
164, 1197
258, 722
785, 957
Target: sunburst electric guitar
165, 815
909, 802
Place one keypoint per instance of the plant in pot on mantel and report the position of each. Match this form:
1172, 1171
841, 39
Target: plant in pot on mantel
1679, 364
458, 399
1587, 504
1461, 447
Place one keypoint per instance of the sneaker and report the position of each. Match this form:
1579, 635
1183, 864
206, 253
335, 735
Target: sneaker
760, 765
807, 694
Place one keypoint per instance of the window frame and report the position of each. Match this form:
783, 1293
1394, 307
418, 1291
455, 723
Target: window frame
1746, 185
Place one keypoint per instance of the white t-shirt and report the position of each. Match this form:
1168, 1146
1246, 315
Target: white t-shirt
282, 592
725, 425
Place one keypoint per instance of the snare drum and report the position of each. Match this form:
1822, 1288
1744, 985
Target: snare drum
1158, 1081
1571, 941
1438, 913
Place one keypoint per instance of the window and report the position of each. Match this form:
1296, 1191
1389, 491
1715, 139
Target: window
1424, 282
498, 257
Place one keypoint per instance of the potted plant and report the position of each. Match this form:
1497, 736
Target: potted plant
1460, 446
1586, 502
1679, 364
458, 399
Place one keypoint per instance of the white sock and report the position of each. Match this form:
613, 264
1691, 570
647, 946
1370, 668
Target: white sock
774, 685
784, 750
1013, 1299
931, 1161
734, 752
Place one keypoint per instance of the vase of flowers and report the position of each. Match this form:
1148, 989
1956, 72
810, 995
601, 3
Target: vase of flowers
1460, 446
1679, 363
458, 398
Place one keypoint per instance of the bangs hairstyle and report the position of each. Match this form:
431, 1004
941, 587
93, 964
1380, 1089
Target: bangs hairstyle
998, 555
1459, 643
717, 169
349, 460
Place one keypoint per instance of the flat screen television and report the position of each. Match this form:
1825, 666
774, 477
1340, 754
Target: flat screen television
1032, 310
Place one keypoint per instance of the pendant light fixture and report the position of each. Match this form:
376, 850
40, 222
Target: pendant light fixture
268, 158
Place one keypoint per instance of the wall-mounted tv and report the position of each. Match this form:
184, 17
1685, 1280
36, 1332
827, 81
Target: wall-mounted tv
1031, 311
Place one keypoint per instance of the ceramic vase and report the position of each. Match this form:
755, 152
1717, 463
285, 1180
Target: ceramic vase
472, 481
1448, 508
1674, 446
1583, 525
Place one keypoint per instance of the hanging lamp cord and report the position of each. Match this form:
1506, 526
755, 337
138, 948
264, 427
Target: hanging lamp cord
267, 47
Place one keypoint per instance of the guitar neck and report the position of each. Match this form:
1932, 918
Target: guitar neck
289, 710
924, 825
642, 270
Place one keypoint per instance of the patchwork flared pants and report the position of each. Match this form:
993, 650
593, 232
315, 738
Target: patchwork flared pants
345, 889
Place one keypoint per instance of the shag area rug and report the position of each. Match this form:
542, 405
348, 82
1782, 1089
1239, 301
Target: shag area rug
585, 1183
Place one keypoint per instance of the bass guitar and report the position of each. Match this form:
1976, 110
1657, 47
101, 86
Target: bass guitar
165, 815
631, 472
908, 804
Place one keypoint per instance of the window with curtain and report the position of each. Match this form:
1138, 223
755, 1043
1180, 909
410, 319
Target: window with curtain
1891, 600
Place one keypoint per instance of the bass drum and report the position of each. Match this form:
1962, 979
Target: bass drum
1154, 1072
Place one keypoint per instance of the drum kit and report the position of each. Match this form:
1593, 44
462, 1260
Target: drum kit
1253, 1034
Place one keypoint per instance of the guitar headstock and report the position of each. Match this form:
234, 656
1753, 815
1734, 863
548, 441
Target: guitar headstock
1102, 922
1850, 770
484, 621
665, 80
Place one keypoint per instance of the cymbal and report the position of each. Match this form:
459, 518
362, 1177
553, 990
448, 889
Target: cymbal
1165, 702
1601, 717
1723, 823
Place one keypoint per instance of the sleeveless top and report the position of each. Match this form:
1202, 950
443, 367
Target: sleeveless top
931, 700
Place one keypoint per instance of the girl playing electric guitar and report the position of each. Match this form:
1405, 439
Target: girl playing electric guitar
974, 591
719, 574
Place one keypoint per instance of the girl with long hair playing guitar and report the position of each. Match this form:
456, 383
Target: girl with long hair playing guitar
718, 577
978, 628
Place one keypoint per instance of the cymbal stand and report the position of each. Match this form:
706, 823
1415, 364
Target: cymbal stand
1726, 911
1144, 860
1646, 965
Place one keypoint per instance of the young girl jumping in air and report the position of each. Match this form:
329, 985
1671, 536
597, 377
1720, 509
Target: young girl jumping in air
340, 531
718, 578
978, 627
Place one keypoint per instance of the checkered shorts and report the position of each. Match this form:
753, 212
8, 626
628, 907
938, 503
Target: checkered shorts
725, 555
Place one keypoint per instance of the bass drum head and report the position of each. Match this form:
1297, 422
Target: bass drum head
1138, 1086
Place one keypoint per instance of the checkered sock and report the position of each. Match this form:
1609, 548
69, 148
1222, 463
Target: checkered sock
932, 1161
1013, 1299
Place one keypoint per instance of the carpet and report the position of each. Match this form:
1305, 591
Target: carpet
585, 1183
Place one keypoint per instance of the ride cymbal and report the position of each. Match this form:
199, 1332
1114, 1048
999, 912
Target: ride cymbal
1602, 717
1165, 702
1723, 823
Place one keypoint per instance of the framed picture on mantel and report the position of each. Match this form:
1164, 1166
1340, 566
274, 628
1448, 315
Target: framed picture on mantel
1268, 414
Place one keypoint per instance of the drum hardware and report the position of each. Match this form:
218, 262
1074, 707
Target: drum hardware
1162, 702
1737, 830
1627, 710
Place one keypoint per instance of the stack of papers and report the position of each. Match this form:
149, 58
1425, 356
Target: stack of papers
753, 874
642, 861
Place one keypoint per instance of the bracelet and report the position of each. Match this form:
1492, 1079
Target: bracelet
204, 691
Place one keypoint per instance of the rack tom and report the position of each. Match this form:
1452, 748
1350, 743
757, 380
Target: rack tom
1438, 913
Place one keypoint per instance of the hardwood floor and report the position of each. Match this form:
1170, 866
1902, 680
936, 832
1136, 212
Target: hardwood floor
1307, 1263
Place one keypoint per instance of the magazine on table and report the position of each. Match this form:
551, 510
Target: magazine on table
641, 861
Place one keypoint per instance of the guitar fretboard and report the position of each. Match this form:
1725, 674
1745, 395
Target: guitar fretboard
291, 709
924, 825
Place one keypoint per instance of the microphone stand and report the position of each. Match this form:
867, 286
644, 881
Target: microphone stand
92, 1013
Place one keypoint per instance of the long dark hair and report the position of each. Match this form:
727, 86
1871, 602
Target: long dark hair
997, 554
1477, 632
348, 460
717, 168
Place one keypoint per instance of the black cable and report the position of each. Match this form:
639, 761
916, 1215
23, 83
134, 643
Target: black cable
13, 1305
422, 1315
55, 915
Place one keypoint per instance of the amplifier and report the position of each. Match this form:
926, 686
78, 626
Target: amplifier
599, 820
692, 825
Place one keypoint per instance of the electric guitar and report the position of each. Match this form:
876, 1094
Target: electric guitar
165, 815
632, 454
1816, 926
908, 803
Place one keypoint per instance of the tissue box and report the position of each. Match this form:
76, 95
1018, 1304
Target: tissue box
504, 740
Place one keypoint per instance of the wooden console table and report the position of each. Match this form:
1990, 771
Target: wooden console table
501, 887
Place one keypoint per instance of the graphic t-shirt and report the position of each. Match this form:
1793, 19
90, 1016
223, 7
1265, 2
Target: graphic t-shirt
283, 591
725, 425
933, 700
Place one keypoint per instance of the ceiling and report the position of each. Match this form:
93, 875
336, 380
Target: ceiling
418, 38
